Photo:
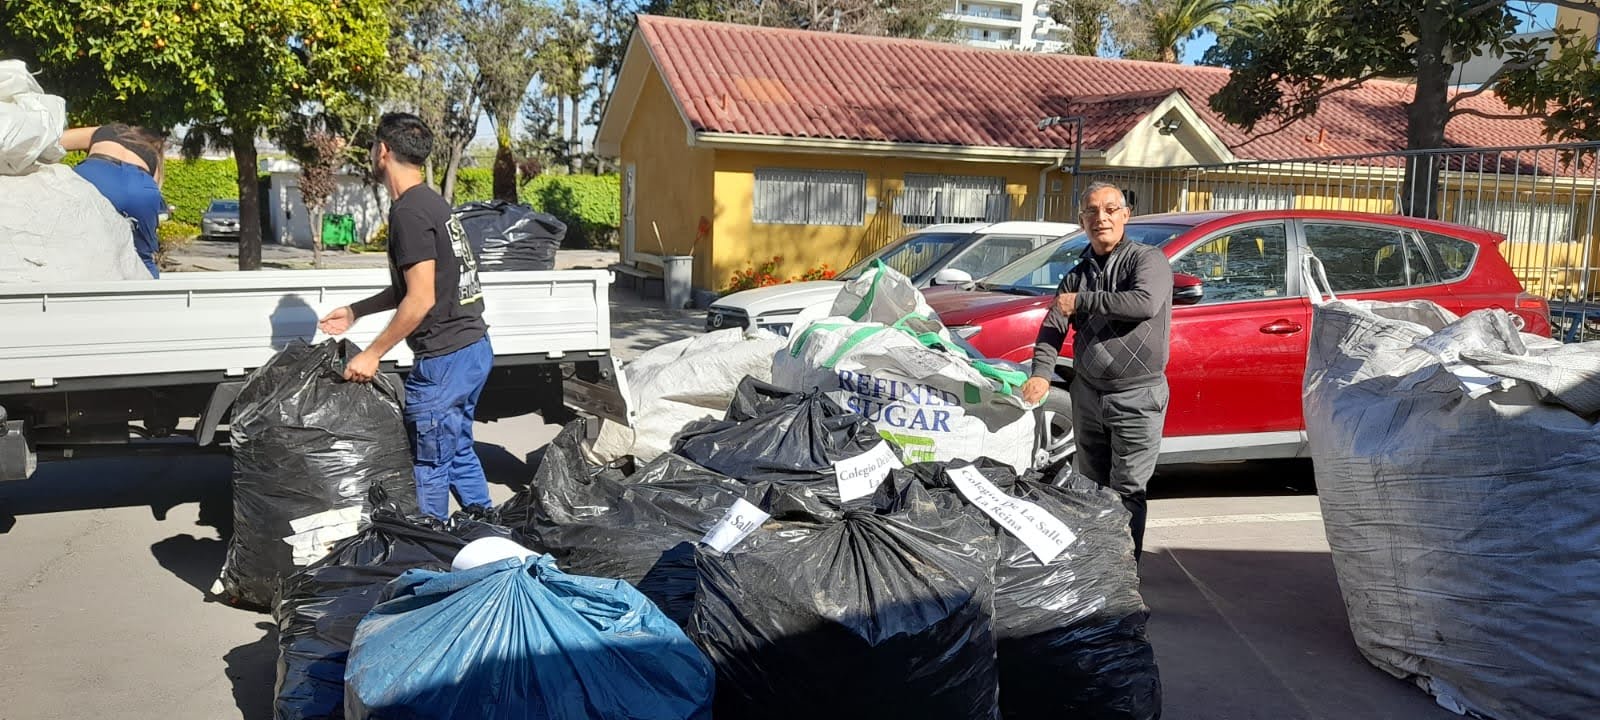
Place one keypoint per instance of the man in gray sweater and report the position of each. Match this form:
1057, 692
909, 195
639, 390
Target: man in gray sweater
1118, 302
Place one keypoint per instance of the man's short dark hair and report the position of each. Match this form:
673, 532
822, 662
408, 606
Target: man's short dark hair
407, 137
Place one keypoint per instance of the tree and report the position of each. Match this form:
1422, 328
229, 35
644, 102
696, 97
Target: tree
1158, 29
1287, 55
505, 37
232, 67
563, 63
1086, 22
440, 80
321, 154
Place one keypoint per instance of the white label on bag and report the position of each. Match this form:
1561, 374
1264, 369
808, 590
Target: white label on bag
315, 534
741, 520
861, 475
1042, 532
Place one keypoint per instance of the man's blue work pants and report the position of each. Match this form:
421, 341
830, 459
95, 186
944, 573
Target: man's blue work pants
441, 396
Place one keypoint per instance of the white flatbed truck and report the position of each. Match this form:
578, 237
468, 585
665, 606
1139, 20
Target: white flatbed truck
91, 368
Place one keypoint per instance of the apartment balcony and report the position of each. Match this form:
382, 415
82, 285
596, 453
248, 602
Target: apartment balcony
982, 16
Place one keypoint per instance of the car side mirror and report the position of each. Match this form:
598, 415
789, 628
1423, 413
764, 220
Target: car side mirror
1187, 289
952, 276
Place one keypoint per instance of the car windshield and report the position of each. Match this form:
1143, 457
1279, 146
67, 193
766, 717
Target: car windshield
224, 206
911, 255
1040, 272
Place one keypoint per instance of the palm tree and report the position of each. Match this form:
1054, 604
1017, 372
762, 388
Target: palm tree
1171, 23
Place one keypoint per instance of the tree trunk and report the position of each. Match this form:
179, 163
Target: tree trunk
561, 117
505, 165
574, 144
250, 230
452, 169
1426, 117
427, 169
316, 238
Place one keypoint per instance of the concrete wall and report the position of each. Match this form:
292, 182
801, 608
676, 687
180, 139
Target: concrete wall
740, 242
291, 222
672, 182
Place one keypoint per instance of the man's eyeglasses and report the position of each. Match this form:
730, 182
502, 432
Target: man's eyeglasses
1108, 210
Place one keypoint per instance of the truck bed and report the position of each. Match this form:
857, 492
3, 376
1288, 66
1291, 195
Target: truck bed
211, 326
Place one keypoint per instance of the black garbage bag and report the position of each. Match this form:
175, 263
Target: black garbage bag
307, 447
878, 612
640, 528
320, 606
506, 236
774, 434
1071, 632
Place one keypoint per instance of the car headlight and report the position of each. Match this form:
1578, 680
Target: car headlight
965, 332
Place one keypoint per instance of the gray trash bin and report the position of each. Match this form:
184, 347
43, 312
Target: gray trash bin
677, 277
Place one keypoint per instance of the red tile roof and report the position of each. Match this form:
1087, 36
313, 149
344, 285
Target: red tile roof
796, 83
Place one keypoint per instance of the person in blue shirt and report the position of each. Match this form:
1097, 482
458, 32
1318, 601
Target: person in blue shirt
124, 164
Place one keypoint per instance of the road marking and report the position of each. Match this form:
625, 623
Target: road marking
1235, 519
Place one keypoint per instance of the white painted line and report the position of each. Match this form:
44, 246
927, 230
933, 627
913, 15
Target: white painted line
1235, 519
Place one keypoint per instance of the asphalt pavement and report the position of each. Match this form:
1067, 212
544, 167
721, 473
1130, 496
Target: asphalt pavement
105, 566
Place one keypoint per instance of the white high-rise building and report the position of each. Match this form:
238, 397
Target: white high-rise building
1008, 24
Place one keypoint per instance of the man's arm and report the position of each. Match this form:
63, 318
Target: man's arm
1053, 332
387, 299
1152, 279
413, 308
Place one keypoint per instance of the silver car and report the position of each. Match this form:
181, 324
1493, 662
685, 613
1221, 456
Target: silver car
220, 221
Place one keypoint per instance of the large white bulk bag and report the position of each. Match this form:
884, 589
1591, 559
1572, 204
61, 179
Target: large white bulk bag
1458, 469
678, 383
56, 227
31, 122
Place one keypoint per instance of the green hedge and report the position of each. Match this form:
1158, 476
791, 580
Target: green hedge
590, 205
191, 186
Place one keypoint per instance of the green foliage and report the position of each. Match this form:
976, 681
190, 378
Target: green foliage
176, 233
191, 185
1287, 55
590, 205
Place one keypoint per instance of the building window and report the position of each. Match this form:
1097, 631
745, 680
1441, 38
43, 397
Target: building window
810, 197
930, 199
1240, 196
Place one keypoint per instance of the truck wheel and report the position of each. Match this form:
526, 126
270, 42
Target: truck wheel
1056, 441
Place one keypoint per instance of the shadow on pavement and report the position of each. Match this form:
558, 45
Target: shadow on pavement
162, 483
1259, 478
1246, 635
253, 670
502, 467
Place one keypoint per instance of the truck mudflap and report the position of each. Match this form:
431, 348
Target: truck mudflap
599, 389
17, 460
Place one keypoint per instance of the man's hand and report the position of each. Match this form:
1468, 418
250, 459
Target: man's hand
338, 322
1067, 303
362, 368
1035, 389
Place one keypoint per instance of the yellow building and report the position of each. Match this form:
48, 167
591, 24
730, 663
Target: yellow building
739, 144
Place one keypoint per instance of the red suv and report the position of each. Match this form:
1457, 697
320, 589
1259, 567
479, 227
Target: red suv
1241, 311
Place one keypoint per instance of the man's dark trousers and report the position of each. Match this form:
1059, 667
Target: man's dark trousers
441, 398
1118, 438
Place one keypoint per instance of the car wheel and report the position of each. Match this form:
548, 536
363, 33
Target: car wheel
1056, 440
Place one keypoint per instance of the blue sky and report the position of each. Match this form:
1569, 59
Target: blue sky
1544, 19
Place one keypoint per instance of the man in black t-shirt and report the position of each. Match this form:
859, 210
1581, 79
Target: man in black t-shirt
438, 306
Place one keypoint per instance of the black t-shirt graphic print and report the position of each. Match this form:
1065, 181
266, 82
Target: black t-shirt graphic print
422, 227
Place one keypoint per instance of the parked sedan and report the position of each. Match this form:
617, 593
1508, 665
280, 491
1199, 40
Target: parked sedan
939, 254
220, 221
1242, 311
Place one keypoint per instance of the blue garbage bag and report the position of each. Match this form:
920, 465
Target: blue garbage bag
522, 639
